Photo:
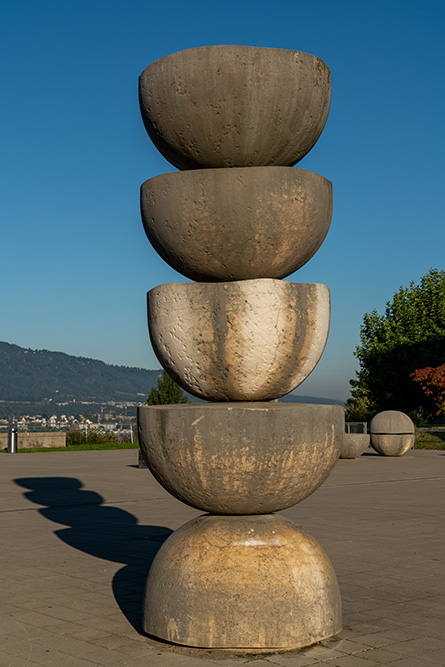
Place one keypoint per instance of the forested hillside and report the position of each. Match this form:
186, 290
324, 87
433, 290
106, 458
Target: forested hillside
42, 382
38, 375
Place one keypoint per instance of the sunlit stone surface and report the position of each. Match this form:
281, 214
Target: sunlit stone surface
237, 224
239, 117
242, 582
242, 458
250, 340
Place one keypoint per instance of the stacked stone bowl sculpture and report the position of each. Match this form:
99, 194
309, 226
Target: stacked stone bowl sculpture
238, 219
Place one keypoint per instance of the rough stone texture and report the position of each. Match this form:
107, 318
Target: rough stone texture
235, 106
391, 421
251, 581
354, 444
252, 340
243, 458
225, 581
236, 224
392, 444
392, 433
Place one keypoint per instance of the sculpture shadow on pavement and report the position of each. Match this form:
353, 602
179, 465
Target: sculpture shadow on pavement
102, 531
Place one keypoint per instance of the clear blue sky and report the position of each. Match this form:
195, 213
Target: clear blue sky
75, 264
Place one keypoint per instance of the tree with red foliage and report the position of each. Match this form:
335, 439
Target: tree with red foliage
432, 383
409, 335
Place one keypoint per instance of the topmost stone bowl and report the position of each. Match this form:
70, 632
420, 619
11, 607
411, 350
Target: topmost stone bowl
235, 106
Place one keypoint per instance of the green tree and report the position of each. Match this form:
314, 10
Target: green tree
168, 391
358, 409
408, 336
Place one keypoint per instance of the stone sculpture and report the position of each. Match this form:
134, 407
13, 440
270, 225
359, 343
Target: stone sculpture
203, 224
249, 340
238, 219
392, 433
354, 444
235, 106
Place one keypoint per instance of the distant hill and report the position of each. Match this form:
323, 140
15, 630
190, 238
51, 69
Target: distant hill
39, 375
293, 398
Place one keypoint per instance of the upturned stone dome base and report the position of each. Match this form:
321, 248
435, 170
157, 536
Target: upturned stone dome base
242, 582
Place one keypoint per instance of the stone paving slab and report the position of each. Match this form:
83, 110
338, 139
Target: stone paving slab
78, 531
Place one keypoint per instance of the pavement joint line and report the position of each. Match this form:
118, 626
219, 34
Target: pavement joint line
101, 504
385, 481
138, 500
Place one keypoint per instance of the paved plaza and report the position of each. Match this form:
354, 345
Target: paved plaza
79, 529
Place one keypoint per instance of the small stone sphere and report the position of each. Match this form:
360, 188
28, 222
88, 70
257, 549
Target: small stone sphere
392, 433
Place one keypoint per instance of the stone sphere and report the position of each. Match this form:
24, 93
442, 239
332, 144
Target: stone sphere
237, 224
392, 433
242, 582
235, 106
249, 340
241, 458
354, 444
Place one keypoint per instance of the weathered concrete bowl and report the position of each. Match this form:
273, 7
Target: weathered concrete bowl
249, 340
235, 106
236, 224
242, 582
241, 458
354, 444
392, 433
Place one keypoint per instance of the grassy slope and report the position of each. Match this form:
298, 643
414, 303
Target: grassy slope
427, 440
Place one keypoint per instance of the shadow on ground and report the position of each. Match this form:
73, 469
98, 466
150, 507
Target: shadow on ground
102, 531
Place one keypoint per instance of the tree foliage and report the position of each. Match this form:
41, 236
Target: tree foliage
410, 335
432, 383
358, 409
168, 391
